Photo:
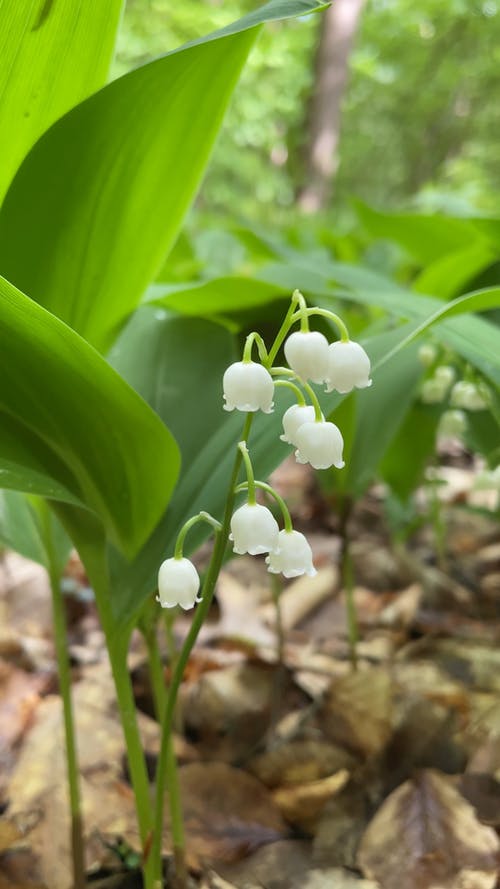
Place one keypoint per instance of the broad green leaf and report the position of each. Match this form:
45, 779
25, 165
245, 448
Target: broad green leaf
73, 413
380, 411
176, 364
101, 197
447, 276
52, 55
218, 296
20, 530
405, 460
427, 238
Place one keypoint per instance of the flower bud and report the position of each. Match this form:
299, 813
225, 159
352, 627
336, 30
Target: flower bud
178, 584
294, 556
427, 354
293, 418
433, 391
467, 395
320, 444
248, 387
254, 530
307, 355
348, 367
445, 374
452, 424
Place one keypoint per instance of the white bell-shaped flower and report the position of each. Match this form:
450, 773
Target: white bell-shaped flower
320, 444
467, 395
254, 530
348, 367
294, 556
248, 387
307, 355
178, 584
293, 418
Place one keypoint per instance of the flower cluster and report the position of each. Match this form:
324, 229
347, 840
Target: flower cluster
249, 386
342, 366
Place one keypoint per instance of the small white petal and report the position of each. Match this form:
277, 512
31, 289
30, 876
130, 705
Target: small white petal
248, 387
294, 556
178, 584
293, 418
254, 530
307, 355
348, 367
320, 444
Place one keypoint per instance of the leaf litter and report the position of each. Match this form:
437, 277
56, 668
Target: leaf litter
296, 772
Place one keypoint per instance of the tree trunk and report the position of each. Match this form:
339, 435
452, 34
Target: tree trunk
338, 30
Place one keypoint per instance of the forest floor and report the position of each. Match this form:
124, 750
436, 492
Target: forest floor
297, 771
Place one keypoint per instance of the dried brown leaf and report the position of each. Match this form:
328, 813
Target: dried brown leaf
297, 762
227, 812
482, 792
426, 836
302, 804
280, 865
357, 711
228, 711
340, 828
38, 787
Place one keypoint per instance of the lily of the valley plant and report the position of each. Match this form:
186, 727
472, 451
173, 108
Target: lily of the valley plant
249, 386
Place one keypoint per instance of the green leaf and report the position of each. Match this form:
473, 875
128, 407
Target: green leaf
218, 296
405, 460
448, 275
379, 413
69, 413
52, 55
20, 530
176, 364
427, 238
101, 197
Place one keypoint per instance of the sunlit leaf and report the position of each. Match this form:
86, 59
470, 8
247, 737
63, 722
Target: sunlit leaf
52, 55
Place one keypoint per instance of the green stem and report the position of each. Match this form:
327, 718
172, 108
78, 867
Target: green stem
304, 320
282, 332
252, 338
155, 670
325, 313
347, 579
287, 519
200, 517
279, 682
298, 392
174, 794
64, 671
352, 617
250, 483
199, 617
285, 371
117, 645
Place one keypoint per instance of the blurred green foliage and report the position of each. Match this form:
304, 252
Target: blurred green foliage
419, 122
